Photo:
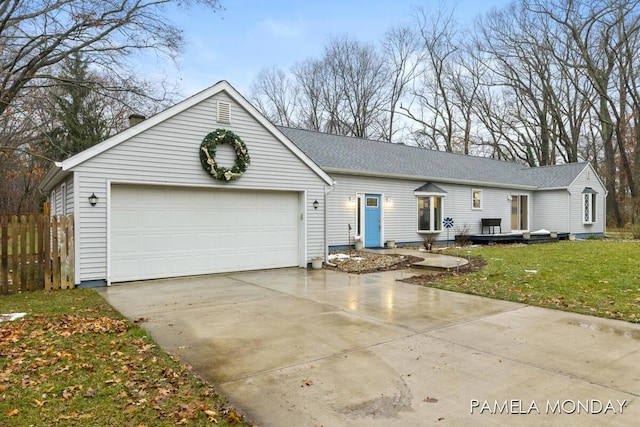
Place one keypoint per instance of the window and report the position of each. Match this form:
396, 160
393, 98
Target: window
589, 205
476, 199
429, 213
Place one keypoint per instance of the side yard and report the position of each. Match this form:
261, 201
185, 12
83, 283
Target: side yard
596, 277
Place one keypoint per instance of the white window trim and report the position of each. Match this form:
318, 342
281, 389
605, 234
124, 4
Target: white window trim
474, 191
431, 212
592, 205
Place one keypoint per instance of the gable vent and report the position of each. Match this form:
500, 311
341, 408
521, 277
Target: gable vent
224, 112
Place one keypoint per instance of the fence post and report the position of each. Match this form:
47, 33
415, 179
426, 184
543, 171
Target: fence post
34, 277
55, 253
24, 267
4, 254
64, 281
15, 259
46, 253
43, 231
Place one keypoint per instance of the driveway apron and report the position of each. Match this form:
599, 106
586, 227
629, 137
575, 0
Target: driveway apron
297, 347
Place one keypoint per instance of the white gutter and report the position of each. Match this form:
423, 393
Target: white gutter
431, 178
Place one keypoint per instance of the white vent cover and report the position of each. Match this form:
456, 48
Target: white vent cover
224, 112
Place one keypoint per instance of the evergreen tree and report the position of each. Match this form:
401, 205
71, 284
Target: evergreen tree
78, 113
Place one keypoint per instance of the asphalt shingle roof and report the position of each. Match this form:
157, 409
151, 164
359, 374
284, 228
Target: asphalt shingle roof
335, 153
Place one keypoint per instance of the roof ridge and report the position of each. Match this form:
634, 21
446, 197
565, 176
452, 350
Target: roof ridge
402, 144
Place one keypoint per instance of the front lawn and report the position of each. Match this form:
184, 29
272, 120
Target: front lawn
597, 277
73, 360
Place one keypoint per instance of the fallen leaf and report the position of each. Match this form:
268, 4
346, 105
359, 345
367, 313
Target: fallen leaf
12, 412
211, 415
232, 418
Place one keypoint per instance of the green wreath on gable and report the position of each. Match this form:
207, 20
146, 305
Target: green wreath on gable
208, 155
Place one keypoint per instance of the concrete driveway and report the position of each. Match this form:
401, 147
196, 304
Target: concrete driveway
298, 347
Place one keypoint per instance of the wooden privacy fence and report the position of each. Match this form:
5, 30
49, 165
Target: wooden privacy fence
36, 252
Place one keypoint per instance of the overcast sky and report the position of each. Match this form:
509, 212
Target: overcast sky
249, 35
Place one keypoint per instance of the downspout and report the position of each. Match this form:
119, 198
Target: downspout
327, 190
570, 211
604, 217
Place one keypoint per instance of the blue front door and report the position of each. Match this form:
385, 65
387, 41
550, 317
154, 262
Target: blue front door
372, 220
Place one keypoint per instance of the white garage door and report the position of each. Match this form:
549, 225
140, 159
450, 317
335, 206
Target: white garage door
170, 231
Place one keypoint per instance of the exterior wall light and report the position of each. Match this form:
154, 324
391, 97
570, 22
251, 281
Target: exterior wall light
316, 204
93, 199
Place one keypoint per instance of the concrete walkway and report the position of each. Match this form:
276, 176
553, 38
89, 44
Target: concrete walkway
430, 260
297, 347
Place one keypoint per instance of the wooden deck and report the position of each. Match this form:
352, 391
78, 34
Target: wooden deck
489, 239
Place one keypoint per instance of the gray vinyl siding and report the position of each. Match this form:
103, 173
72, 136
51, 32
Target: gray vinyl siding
495, 204
587, 179
62, 201
400, 211
550, 211
69, 200
168, 154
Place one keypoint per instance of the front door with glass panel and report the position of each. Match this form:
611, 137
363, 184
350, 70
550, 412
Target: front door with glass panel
519, 212
372, 220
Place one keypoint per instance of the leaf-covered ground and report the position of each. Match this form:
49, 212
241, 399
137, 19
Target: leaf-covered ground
72, 360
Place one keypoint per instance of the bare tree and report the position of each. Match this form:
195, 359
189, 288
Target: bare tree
597, 30
510, 41
275, 95
400, 45
434, 110
36, 34
309, 77
355, 87
344, 92
628, 130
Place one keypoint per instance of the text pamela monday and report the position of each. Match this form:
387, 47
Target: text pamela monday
568, 406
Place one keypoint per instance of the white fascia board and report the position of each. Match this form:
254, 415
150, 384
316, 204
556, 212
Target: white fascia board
431, 178
278, 134
53, 176
593, 171
105, 145
222, 86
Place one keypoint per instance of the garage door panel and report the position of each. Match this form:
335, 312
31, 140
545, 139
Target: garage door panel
169, 231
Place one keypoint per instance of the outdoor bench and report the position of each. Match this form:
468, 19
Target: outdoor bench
491, 224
